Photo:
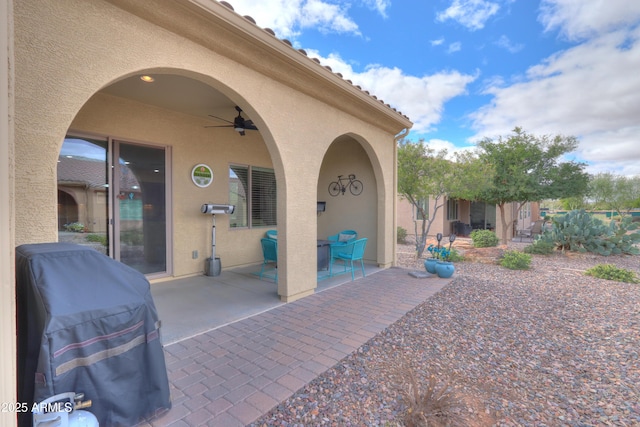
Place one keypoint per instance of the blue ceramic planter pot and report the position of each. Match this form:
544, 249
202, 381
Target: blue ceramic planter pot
445, 269
430, 265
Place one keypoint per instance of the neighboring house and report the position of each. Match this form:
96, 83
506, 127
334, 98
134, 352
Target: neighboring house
71, 86
460, 216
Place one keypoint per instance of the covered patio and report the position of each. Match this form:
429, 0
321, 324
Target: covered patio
194, 305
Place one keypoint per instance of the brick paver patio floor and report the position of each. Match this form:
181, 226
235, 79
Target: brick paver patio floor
232, 375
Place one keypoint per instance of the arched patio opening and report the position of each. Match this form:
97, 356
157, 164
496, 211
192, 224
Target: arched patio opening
146, 138
355, 208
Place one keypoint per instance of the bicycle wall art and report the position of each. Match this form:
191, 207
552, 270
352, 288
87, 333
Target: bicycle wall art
342, 184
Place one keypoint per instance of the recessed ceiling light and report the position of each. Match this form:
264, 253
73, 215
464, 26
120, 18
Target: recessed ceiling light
146, 79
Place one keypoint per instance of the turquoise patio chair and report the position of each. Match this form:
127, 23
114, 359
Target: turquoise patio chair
272, 234
350, 252
343, 237
339, 240
270, 255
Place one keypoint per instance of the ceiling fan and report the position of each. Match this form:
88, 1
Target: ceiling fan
239, 124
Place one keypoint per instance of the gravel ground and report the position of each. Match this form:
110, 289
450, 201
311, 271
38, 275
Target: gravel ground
544, 347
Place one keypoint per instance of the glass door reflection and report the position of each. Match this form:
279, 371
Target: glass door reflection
140, 207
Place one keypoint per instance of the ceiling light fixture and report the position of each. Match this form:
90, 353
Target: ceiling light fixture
147, 79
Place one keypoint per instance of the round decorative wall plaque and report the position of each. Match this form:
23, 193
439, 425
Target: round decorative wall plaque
202, 175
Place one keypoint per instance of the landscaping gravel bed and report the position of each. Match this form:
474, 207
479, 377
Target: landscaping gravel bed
548, 346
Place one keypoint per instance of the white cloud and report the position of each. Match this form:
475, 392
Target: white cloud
437, 42
591, 91
452, 149
472, 14
422, 99
379, 5
289, 17
580, 19
506, 43
454, 47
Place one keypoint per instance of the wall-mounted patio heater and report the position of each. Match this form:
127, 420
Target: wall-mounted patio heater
212, 266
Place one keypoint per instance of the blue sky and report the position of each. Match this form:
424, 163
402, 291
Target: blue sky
463, 70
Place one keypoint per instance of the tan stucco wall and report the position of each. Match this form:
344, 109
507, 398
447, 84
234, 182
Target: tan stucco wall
66, 51
60, 69
7, 218
406, 218
441, 225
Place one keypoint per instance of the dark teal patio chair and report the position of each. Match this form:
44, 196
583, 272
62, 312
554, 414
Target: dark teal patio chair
347, 254
270, 255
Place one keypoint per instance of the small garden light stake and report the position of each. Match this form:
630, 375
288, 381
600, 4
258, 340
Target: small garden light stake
452, 238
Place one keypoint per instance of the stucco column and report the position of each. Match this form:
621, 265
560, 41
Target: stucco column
297, 224
7, 239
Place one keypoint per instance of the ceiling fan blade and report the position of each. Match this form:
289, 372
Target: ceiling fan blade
220, 118
239, 123
248, 125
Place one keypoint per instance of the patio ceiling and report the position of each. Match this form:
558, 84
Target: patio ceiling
176, 93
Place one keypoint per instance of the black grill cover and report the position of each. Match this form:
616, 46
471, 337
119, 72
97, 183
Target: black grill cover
87, 323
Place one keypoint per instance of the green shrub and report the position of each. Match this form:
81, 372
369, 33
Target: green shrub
484, 238
516, 260
540, 247
401, 234
455, 256
97, 238
76, 227
611, 272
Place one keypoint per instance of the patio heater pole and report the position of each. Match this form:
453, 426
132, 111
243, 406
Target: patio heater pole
213, 238
213, 266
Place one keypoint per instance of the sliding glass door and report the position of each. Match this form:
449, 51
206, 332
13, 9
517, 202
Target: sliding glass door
83, 193
112, 196
140, 207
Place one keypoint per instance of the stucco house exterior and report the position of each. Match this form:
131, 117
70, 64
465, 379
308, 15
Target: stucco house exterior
460, 216
72, 91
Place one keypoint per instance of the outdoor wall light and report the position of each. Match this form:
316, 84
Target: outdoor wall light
147, 79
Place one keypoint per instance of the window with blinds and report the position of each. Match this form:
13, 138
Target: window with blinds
423, 207
252, 190
452, 209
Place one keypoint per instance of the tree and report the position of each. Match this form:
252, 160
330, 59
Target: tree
573, 203
615, 192
527, 168
426, 175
